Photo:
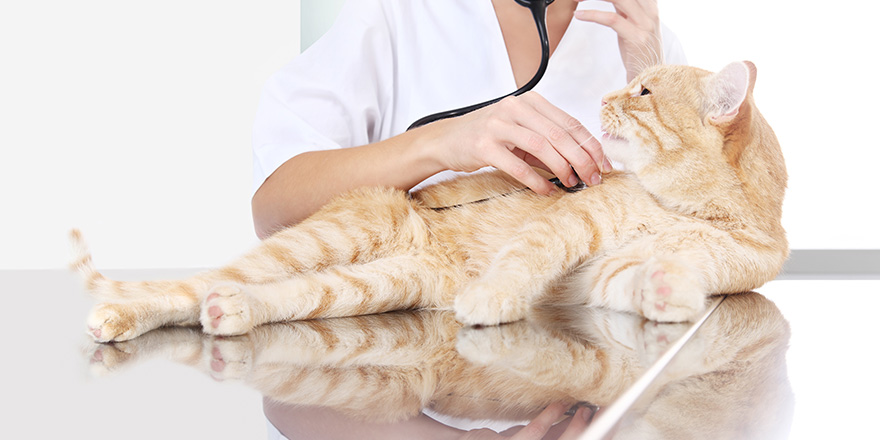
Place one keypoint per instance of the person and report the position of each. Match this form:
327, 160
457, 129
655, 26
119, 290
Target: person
335, 118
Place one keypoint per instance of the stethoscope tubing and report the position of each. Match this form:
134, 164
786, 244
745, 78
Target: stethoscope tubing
539, 13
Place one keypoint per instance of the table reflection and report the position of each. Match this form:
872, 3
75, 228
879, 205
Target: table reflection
729, 382
420, 374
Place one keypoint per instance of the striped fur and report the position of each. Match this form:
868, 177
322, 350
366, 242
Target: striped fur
697, 212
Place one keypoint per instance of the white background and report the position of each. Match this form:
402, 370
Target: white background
131, 120
817, 66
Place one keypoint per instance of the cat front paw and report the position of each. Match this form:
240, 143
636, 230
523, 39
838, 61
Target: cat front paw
668, 290
226, 311
480, 304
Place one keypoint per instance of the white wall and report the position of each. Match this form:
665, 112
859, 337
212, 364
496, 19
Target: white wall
132, 120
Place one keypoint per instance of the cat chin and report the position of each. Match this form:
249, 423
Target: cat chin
617, 149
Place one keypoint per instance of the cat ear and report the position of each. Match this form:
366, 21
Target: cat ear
728, 89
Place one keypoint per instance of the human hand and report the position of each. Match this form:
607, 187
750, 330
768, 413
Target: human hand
637, 23
517, 133
541, 428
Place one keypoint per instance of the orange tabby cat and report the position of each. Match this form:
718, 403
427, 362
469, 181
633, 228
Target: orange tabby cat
697, 212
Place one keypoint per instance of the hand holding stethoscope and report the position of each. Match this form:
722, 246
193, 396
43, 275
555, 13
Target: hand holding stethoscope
517, 133
521, 130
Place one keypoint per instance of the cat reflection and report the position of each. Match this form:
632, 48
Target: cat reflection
728, 382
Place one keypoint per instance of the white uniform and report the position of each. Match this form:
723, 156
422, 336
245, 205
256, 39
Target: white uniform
386, 63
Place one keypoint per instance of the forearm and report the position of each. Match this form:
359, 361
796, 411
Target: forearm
511, 135
304, 183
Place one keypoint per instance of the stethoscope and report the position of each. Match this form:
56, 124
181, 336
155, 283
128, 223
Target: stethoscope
539, 9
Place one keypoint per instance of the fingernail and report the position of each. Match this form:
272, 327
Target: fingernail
606, 166
572, 181
588, 414
595, 179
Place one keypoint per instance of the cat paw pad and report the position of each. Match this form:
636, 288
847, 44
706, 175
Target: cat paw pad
668, 291
482, 305
226, 311
111, 322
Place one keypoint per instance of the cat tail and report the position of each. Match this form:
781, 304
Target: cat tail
82, 264
106, 289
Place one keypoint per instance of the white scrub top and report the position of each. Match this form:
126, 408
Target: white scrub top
386, 63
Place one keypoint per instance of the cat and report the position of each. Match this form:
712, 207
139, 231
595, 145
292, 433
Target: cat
729, 381
695, 212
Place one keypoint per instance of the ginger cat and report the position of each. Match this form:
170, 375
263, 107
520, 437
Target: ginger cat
729, 381
697, 212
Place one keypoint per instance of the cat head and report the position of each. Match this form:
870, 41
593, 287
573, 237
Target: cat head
679, 127
668, 110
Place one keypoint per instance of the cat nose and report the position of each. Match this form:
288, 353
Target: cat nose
604, 102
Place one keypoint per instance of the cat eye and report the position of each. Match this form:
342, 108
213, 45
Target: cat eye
645, 91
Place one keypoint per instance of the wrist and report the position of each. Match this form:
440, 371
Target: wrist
427, 146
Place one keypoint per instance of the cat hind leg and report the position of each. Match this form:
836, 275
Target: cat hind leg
662, 288
386, 284
355, 228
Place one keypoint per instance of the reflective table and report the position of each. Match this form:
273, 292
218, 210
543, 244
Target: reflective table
792, 360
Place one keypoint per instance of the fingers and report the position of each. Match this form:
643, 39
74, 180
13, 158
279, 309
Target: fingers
642, 13
555, 138
519, 133
519, 169
536, 429
543, 426
637, 25
583, 152
540, 148
632, 20
578, 424
624, 28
